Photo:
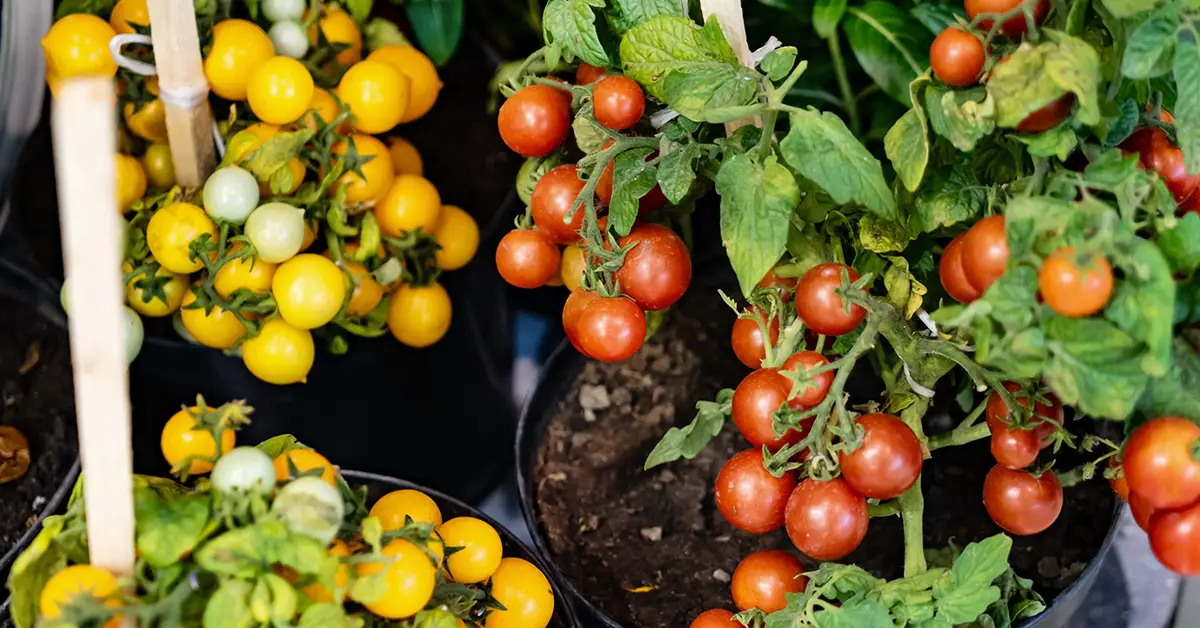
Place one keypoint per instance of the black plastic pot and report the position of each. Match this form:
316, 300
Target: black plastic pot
557, 376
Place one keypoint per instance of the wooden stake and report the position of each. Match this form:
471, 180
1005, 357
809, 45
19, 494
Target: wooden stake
729, 13
85, 146
183, 90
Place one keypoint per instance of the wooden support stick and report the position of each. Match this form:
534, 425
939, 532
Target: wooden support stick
729, 14
183, 90
85, 145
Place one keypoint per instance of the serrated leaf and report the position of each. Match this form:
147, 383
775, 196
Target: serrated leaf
882, 236
1178, 392
1059, 142
1128, 8
676, 172
1187, 105
1180, 243
827, 14
1094, 366
824, 151
626, 14
962, 116
757, 200
572, 23
1120, 119
965, 592
702, 91
865, 613
653, 50
889, 44
633, 178
907, 147
1150, 50
951, 196
779, 62
688, 441
1144, 305
1035, 77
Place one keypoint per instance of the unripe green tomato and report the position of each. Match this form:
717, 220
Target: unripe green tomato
230, 193
280, 10
310, 507
289, 38
531, 172
276, 230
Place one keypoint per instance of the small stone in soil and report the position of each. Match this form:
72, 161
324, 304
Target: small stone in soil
721, 575
1048, 567
653, 535
38, 502
594, 397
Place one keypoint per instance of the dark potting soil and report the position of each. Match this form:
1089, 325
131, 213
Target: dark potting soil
37, 398
651, 549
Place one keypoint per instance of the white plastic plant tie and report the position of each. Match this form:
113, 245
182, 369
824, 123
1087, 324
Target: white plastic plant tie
133, 65
917, 388
661, 118
766, 49
219, 140
928, 322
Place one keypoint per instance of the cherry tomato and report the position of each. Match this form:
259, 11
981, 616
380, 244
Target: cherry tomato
239, 47
657, 270
405, 158
819, 384
137, 290
1157, 153
573, 267
1013, 448
231, 193
575, 304
756, 399
245, 470
280, 90
1071, 290
280, 354
750, 498
305, 460
826, 520
338, 27
180, 440
77, 45
586, 74
1118, 482
128, 13
170, 232
393, 508
1175, 539
481, 549
377, 95
147, 121
611, 329
763, 579
457, 234
889, 460
954, 278
64, 586
283, 10
277, 231
310, 290
820, 307
1049, 116
524, 592
1158, 462
1014, 27
159, 166
367, 293
1047, 415
526, 258
715, 618
412, 203
985, 252
1142, 510
553, 197
747, 339
618, 102
1021, 503
410, 579
377, 174
419, 317
957, 57
217, 329
131, 182
535, 120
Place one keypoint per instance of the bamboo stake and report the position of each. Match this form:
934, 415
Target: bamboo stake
183, 90
729, 13
85, 143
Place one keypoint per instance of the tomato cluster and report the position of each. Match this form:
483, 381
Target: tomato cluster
232, 263
651, 265
1157, 152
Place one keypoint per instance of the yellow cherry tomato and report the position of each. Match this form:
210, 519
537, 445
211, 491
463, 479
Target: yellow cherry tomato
573, 265
239, 47
128, 13
393, 508
279, 90
323, 106
525, 593
171, 230
419, 317
310, 234
377, 95
317, 591
248, 272
405, 158
279, 354
422, 74
410, 579
411, 203
131, 182
304, 460
481, 549
377, 173
149, 122
218, 329
174, 289
367, 294
159, 165
339, 28
181, 440
77, 45
458, 235
309, 290
64, 586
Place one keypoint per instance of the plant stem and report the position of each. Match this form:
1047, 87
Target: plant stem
960, 436
912, 512
843, 79
886, 509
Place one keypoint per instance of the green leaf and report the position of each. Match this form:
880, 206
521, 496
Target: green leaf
278, 445
807, 247
779, 62
889, 45
325, 615
438, 25
677, 172
229, 606
380, 32
904, 292
571, 23
936, 17
169, 530
250, 551
1180, 243
1144, 305
1178, 392
1035, 77
882, 236
757, 200
1119, 121
701, 91
435, 618
687, 442
1187, 105
653, 50
1094, 366
965, 592
32, 569
1150, 51
1128, 8
962, 116
827, 14
102, 8
360, 10
626, 14
907, 147
845, 582
824, 151
1059, 142
951, 196
863, 613
633, 178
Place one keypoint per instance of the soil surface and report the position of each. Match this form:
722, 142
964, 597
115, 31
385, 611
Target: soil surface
650, 548
36, 397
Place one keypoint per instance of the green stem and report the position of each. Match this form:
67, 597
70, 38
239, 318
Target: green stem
886, 509
912, 511
960, 436
843, 79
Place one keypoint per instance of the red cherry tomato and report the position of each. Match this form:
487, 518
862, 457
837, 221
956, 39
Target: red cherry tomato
889, 460
1021, 503
1073, 291
1014, 27
954, 278
1013, 448
586, 74
957, 57
1047, 117
750, 498
985, 252
747, 340
604, 188
1175, 539
527, 259
552, 199
657, 270
1048, 414
575, 304
819, 384
819, 305
1159, 465
611, 329
786, 286
534, 121
759, 395
826, 520
763, 579
1142, 511
618, 102
715, 618
1157, 153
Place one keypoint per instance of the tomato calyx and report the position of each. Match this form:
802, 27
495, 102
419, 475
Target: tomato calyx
216, 421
